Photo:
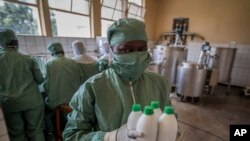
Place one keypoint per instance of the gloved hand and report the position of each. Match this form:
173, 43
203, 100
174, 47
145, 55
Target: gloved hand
122, 134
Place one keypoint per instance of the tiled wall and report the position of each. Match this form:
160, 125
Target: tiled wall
241, 67
3, 130
36, 45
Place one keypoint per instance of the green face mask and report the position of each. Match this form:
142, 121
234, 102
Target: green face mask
130, 66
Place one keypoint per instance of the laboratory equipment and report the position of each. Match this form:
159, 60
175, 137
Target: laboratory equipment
195, 79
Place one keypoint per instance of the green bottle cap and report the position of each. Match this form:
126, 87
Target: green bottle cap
136, 107
148, 110
169, 110
155, 104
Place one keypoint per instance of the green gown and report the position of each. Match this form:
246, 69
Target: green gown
63, 78
103, 103
19, 95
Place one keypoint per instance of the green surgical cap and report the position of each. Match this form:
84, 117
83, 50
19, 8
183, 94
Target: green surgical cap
125, 30
55, 47
6, 36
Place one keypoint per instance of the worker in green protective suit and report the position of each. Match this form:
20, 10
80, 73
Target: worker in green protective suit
19, 94
102, 104
62, 80
88, 64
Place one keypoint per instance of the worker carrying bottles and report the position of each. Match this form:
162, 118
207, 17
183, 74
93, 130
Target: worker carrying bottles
101, 106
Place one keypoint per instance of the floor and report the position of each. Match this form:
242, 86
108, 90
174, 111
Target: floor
209, 119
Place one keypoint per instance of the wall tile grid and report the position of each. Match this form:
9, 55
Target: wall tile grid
241, 68
36, 45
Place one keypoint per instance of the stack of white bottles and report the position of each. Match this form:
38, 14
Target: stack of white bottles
154, 125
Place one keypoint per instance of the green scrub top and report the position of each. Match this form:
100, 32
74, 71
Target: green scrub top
19, 80
89, 70
103, 103
63, 78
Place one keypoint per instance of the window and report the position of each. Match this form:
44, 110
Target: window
137, 2
136, 9
29, 1
21, 16
105, 25
111, 11
70, 18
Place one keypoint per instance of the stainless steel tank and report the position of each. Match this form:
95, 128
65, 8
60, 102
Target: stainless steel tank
190, 80
170, 58
224, 62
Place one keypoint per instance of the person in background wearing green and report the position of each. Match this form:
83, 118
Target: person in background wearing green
19, 94
88, 64
101, 106
63, 78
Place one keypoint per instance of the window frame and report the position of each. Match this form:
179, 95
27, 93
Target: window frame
32, 5
124, 8
44, 23
71, 12
142, 7
123, 11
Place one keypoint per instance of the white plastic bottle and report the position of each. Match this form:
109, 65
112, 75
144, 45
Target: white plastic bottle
157, 111
167, 125
134, 116
148, 125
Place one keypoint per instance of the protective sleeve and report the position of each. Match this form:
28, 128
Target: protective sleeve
83, 75
82, 123
168, 100
165, 91
37, 74
46, 81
